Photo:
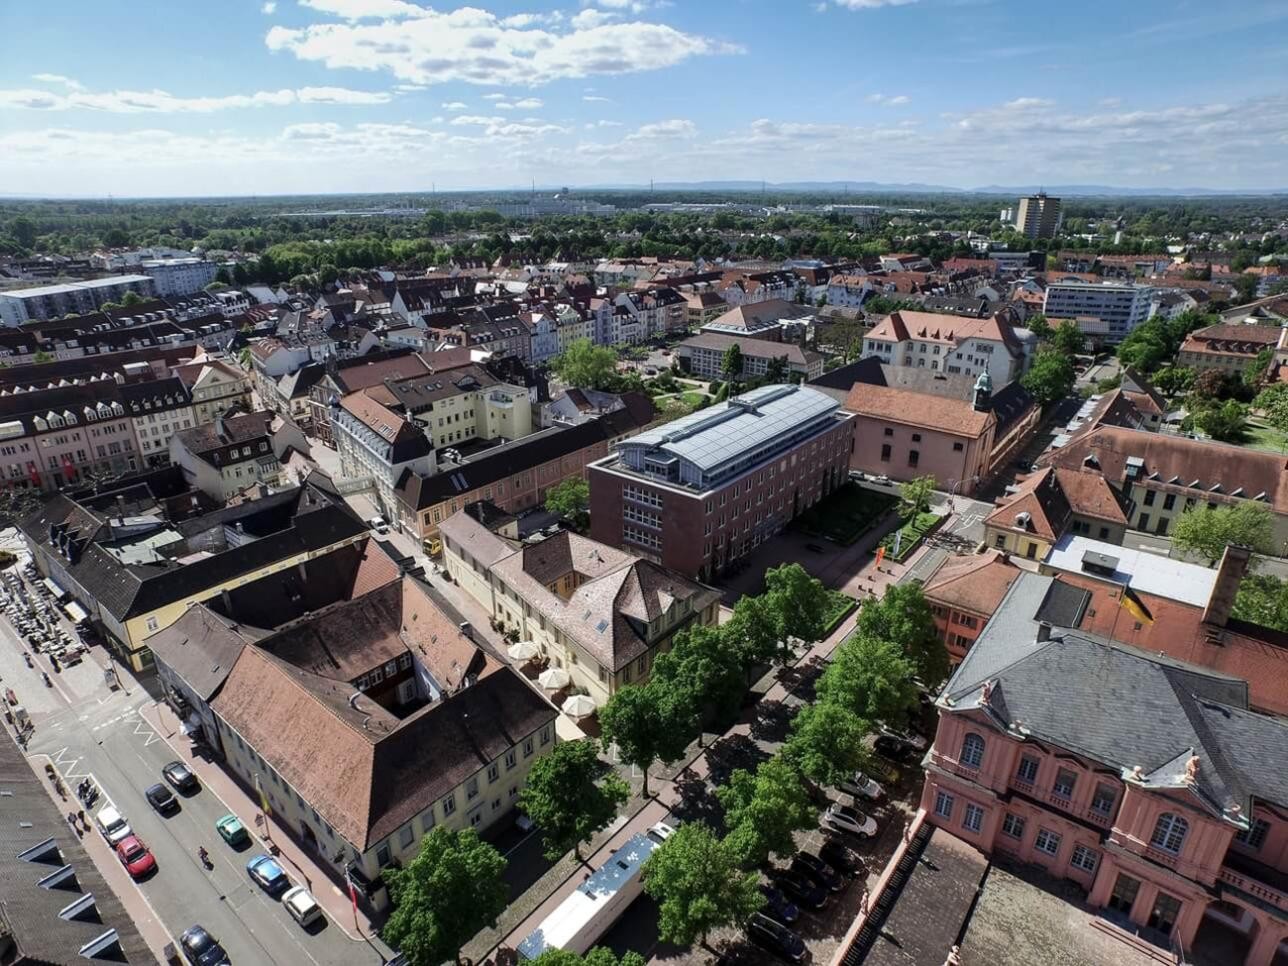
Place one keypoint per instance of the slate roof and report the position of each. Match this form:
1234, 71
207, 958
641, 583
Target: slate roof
755, 348
36, 842
1122, 707
201, 647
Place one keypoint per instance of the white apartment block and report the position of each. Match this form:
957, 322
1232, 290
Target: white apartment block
179, 276
1121, 306
74, 298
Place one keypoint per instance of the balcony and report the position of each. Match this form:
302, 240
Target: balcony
1254, 879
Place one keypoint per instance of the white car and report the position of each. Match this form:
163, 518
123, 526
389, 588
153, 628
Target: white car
861, 786
112, 824
908, 737
300, 903
661, 831
846, 819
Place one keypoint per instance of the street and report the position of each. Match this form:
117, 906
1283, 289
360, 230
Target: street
85, 729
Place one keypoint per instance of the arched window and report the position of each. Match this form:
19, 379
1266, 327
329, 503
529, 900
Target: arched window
1169, 833
972, 750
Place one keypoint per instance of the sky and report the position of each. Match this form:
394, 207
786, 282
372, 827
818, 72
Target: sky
239, 97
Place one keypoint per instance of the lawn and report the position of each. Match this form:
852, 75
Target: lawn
913, 531
1264, 437
847, 514
692, 398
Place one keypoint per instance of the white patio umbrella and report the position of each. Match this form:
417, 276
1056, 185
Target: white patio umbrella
579, 705
523, 651
552, 679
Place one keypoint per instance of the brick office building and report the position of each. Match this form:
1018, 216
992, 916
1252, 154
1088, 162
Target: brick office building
704, 490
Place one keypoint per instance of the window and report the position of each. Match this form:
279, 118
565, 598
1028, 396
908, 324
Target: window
449, 804
914, 457
383, 855
1149, 497
1065, 781
943, 804
405, 835
973, 818
1102, 802
1124, 895
1084, 858
1169, 833
527, 748
510, 759
1143, 522
1013, 826
957, 447
885, 453
1000, 541
472, 788
1028, 770
545, 732
1047, 841
1169, 501
889, 431
1167, 909
1255, 837
916, 437
152, 624
972, 750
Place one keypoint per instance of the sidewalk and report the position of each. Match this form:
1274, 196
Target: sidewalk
320, 881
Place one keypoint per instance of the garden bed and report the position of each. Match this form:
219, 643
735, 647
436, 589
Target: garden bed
847, 514
914, 531
839, 607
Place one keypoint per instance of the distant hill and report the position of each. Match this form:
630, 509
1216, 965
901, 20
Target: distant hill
878, 187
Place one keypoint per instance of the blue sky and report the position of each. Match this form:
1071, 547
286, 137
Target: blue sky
165, 98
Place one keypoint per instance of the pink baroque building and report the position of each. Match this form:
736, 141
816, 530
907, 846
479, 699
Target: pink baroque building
1145, 781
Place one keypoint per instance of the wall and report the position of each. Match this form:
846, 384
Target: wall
936, 453
1028, 545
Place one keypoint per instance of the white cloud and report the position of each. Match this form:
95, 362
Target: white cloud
888, 100
871, 4
528, 104
475, 46
269, 7
596, 99
675, 128
454, 105
590, 18
71, 85
495, 97
163, 102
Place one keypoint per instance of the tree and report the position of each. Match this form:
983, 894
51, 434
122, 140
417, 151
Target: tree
443, 896
1174, 380
903, 616
916, 495
570, 500
647, 724
695, 879
599, 956
731, 366
23, 231
1262, 600
1227, 422
799, 602
826, 744
586, 365
1210, 384
1039, 326
570, 798
1051, 376
776, 369
1068, 338
764, 809
752, 629
871, 678
703, 670
130, 299
1207, 532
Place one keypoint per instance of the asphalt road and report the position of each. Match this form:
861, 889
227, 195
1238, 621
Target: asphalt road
85, 729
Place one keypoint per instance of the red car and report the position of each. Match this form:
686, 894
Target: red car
134, 855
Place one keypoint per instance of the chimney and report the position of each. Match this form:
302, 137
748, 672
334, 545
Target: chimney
1229, 574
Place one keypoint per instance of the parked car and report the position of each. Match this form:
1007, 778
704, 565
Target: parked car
378, 524
232, 831
835, 853
300, 903
270, 876
778, 905
896, 749
201, 949
812, 867
136, 858
908, 737
862, 786
846, 819
180, 776
661, 831
802, 890
112, 824
162, 799
775, 937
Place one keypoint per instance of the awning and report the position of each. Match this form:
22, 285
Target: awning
53, 587
75, 611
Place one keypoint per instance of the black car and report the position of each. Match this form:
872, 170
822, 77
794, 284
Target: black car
180, 776
802, 890
778, 905
162, 799
812, 867
775, 937
835, 854
202, 949
896, 749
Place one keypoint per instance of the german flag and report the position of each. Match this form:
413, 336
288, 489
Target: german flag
1135, 606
